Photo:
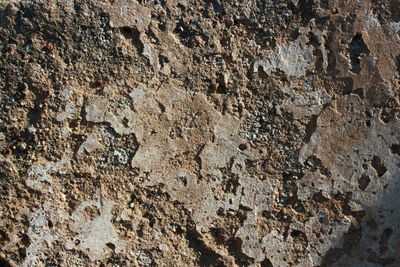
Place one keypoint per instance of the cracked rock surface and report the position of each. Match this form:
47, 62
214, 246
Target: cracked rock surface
200, 133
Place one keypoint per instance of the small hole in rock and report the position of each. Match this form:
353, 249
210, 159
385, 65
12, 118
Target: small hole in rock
359, 92
4, 263
398, 62
357, 49
395, 149
110, 245
3, 236
25, 240
378, 166
266, 263
363, 182
242, 147
295, 233
125, 122
22, 252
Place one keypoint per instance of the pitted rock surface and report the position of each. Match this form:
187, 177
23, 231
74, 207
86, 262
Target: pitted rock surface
200, 133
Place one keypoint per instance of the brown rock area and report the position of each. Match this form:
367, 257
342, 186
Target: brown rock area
200, 133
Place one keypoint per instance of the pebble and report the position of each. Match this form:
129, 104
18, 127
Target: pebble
22, 146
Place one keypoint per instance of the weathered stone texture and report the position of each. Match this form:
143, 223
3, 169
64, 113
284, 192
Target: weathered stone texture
200, 133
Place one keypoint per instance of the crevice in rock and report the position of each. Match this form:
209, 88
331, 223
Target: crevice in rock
133, 34
235, 249
310, 128
207, 257
357, 49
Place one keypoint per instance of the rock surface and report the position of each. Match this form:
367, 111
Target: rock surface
200, 133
